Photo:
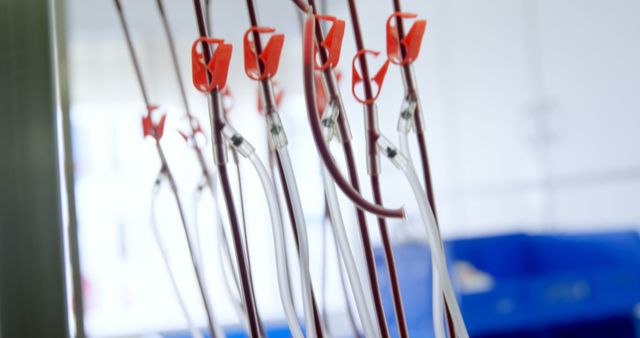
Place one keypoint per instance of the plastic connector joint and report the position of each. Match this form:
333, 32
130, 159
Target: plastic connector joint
387, 149
329, 120
277, 137
237, 141
405, 119
373, 161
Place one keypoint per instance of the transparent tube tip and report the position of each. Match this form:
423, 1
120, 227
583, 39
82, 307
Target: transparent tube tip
277, 137
387, 149
405, 119
329, 121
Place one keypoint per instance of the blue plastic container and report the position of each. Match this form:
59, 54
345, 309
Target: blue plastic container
544, 286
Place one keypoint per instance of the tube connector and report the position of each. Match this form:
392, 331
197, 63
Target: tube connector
371, 125
344, 135
243, 147
329, 121
219, 149
387, 149
277, 137
405, 119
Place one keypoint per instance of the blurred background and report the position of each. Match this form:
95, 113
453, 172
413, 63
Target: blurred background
532, 112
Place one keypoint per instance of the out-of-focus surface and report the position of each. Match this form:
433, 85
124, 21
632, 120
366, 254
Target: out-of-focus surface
531, 113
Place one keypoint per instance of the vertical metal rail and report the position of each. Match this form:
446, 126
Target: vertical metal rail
62, 93
32, 277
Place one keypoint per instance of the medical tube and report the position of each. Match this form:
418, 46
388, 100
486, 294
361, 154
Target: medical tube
285, 160
195, 333
321, 146
437, 304
219, 157
246, 150
278, 143
370, 330
431, 227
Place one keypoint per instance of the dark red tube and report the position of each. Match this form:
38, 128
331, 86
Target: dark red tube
372, 134
219, 149
349, 157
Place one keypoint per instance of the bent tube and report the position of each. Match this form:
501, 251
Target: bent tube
437, 304
248, 151
321, 146
431, 227
330, 80
347, 257
278, 237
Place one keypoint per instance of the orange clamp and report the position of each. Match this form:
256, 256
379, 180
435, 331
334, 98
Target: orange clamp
211, 76
411, 42
268, 59
332, 41
149, 128
378, 79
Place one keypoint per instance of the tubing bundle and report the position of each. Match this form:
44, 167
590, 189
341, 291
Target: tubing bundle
327, 117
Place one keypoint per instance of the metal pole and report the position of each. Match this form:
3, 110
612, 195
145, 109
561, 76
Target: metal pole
32, 283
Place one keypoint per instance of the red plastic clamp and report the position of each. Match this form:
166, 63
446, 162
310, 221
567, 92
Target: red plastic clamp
149, 128
332, 41
378, 79
211, 76
411, 42
268, 59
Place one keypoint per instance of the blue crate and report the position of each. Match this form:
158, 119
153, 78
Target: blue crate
274, 330
544, 286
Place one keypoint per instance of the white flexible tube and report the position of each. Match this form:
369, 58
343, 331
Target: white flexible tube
361, 269
303, 239
278, 237
370, 330
437, 303
403, 139
431, 227
437, 251
195, 333
225, 260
